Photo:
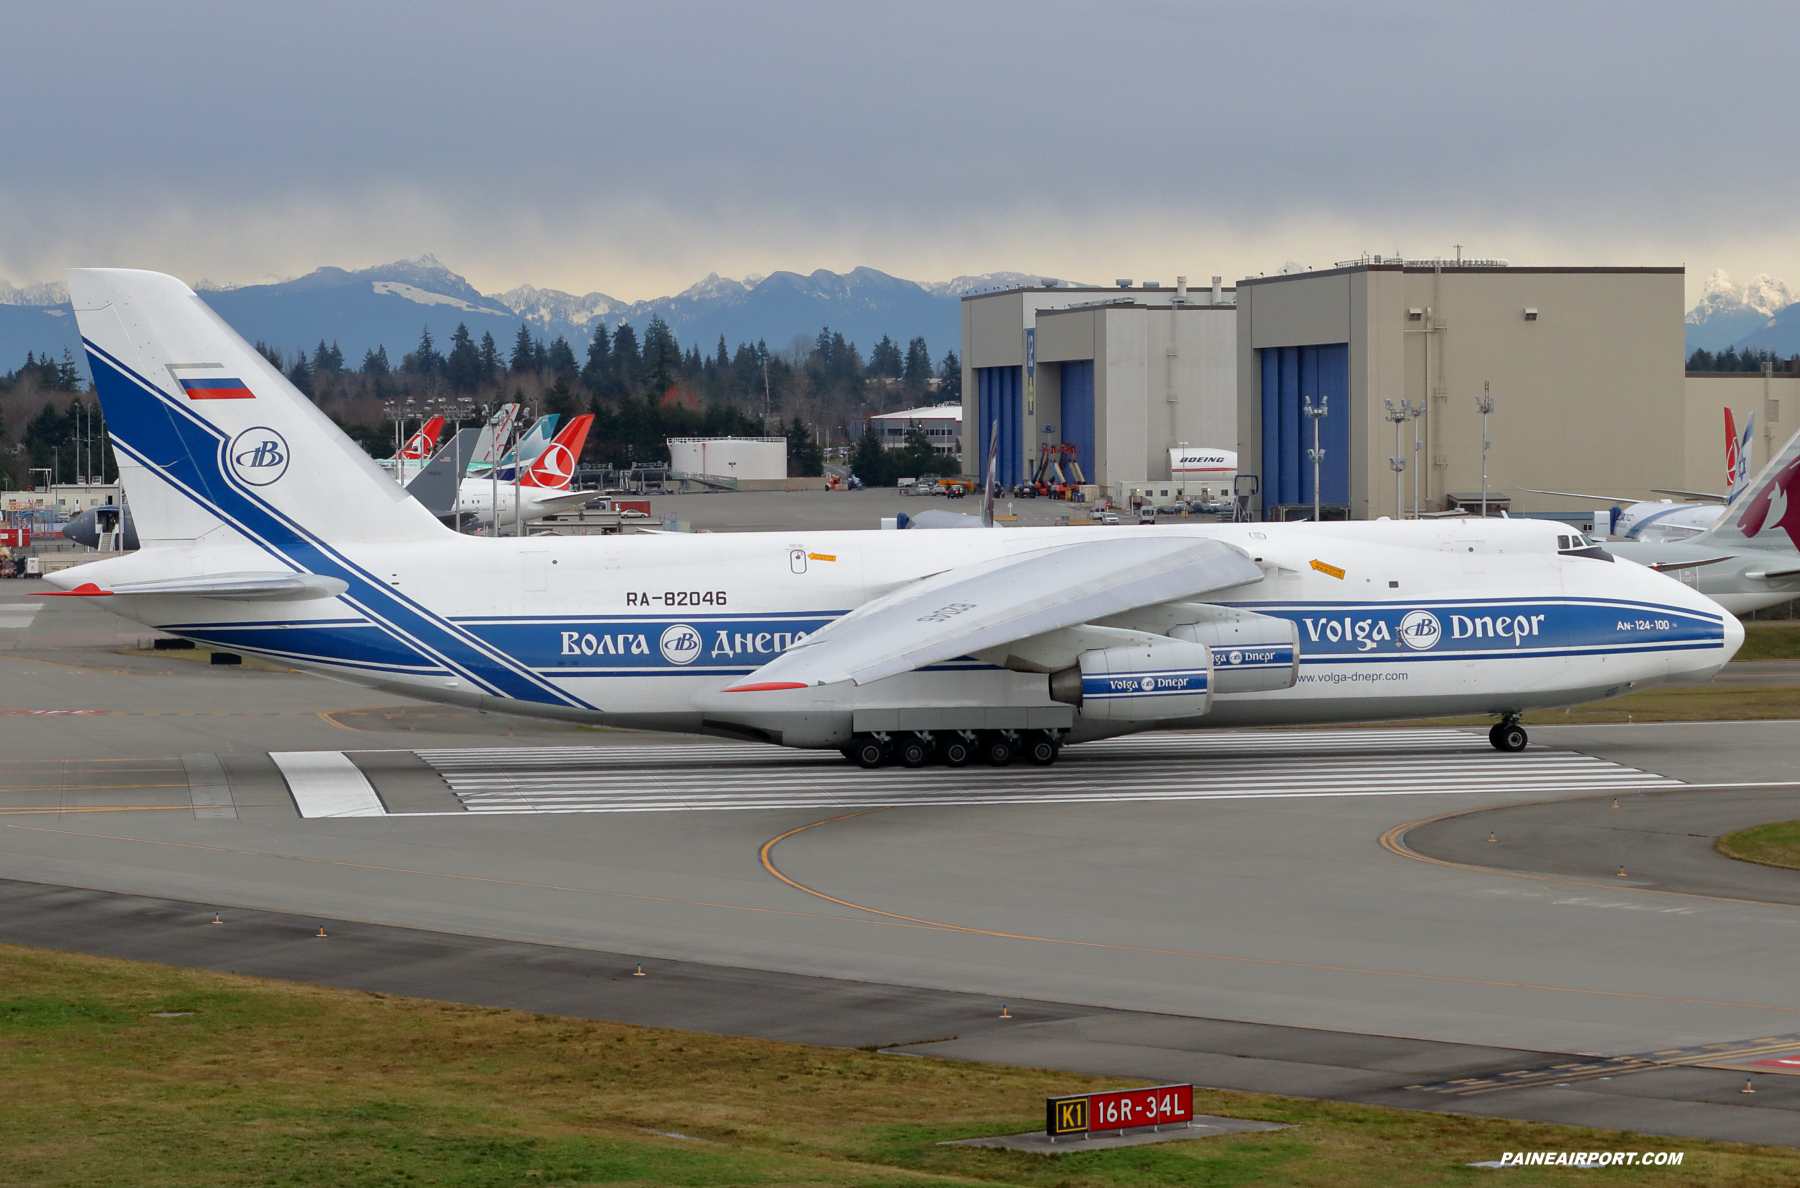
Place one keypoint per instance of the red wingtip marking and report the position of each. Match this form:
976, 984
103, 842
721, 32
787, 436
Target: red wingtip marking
766, 686
85, 590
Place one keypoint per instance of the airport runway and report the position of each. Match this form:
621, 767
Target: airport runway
1194, 890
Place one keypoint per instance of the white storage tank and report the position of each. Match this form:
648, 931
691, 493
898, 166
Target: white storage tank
743, 458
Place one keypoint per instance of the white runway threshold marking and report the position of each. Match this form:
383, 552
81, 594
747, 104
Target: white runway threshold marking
327, 784
1194, 766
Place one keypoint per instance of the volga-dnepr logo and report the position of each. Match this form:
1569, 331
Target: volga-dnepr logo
258, 455
1420, 630
680, 644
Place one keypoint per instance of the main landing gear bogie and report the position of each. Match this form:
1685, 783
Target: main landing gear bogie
1507, 735
955, 748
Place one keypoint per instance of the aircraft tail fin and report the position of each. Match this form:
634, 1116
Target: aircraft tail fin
555, 467
1765, 512
420, 445
1737, 456
212, 441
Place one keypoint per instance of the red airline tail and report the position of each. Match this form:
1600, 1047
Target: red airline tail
555, 467
423, 442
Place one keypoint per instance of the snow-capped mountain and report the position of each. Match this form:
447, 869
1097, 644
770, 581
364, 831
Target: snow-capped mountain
1730, 311
391, 305
48, 293
962, 286
545, 307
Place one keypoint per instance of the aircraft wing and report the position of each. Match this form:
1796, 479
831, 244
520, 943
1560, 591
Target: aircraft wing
1706, 495
1770, 574
1671, 566
1584, 495
551, 505
979, 606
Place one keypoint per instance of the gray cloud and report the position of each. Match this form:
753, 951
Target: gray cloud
631, 149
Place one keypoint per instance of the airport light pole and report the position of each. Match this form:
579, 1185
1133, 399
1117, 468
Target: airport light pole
1484, 402
1317, 413
1398, 416
1418, 446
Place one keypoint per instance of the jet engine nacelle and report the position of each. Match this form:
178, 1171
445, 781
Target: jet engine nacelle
1169, 678
1251, 653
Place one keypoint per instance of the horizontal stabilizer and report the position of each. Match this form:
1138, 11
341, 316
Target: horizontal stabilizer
938, 518
235, 587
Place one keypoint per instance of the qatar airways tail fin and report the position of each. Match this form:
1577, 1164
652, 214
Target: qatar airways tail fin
213, 443
1765, 513
555, 467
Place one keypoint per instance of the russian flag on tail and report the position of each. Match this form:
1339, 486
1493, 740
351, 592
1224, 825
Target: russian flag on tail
216, 389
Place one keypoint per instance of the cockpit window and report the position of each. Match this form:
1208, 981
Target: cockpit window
1562, 542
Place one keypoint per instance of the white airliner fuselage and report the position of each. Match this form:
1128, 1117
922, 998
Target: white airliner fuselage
267, 532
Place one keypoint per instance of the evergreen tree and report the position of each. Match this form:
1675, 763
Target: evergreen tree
626, 360
724, 360
490, 355
599, 359
868, 461
426, 360
562, 358
561, 399
917, 376
328, 360
301, 373
375, 363
523, 356
271, 354
950, 372
463, 366
662, 356
805, 458
884, 360
68, 376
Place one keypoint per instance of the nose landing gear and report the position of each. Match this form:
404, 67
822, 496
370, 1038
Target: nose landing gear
1507, 735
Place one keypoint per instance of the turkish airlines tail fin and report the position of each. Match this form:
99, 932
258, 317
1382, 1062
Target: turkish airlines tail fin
213, 442
420, 445
555, 467
1766, 512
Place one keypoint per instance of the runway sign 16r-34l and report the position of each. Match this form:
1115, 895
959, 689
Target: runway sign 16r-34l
1156, 1106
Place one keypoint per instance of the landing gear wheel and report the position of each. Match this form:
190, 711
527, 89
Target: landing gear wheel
1509, 737
1041, 750
866, 750
956, 751
998, 750
913, 751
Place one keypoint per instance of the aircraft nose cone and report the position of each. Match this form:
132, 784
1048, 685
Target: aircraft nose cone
1734, 635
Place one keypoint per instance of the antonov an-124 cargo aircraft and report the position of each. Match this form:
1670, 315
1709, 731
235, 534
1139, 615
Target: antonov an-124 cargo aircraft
268, 532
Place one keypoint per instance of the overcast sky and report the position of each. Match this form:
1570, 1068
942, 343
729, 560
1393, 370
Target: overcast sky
632, 149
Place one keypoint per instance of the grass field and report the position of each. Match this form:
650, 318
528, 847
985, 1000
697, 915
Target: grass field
250, 1082
1768, 845
1773, 640
1675, 703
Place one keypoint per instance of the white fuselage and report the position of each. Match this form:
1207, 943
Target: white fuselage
481, 496
1429, 618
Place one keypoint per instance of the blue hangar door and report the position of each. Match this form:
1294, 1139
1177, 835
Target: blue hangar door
1000, 395
1293, 377
1078, 412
